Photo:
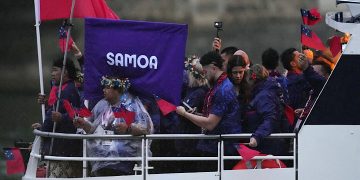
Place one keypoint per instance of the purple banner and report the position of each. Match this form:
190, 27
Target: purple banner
150, 54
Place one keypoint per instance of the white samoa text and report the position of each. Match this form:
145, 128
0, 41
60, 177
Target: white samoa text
126, 60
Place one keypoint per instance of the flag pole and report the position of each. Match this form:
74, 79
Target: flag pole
38, 42
62, 73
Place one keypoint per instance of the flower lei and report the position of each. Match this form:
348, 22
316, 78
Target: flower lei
190, 64
122, 83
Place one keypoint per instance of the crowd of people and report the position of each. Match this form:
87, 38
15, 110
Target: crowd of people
224, 93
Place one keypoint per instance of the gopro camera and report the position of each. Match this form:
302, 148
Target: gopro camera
218, 25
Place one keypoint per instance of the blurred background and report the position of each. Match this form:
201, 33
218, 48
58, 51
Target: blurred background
251, 25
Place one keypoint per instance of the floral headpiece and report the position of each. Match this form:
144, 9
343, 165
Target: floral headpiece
116, 83
80, 77
190, 64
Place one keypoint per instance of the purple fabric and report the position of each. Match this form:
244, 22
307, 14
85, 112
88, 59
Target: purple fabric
109, 43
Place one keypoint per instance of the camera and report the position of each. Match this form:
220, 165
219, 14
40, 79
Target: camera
218, 25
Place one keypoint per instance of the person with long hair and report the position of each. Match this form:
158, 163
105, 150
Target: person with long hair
262, 114
197, 87
235, 69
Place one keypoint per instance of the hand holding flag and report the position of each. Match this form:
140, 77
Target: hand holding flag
83, 112
164, 106
246, 152
128, 116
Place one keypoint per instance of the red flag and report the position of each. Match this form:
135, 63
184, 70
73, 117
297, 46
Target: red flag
60, 9
164, 106
290, 115
265, 164
53, 94
14, 161
310, 39
62, 39
84, 112
69, 109
128, 116
335, 45
246, 152
310, 17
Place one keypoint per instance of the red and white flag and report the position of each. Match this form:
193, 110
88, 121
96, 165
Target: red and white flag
310, 39
60, 9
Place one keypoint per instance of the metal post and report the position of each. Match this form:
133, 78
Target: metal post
84, 155
147, 149
38, 43
219, 159
222, 156
295, 153
143, 154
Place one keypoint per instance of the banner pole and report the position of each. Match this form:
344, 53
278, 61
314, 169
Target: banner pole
62, 74
38, 43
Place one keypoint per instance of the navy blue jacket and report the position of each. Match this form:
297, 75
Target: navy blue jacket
194, 97
64, 147
263, 116
300, 85
226, 106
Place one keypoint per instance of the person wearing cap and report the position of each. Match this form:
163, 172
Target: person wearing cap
245, 57
104, 120
221, 111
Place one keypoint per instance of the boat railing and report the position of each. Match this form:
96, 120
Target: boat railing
145, 158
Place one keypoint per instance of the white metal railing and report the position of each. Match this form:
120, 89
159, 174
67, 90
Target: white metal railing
145, 159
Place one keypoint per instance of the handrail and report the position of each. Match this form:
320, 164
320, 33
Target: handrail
260, 157
144, 158
275, 135
157, 136
61, 158
182, 136
84, 136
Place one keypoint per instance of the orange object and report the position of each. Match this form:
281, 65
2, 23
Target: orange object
309, 54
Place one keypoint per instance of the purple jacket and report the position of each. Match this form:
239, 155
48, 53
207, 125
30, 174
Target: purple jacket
263, 116
300, 85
